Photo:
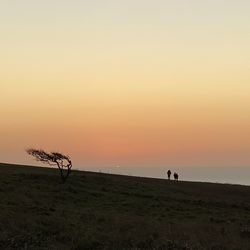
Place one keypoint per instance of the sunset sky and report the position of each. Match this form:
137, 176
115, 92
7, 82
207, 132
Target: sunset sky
126, 82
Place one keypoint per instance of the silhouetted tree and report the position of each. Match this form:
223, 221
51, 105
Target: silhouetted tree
63, 162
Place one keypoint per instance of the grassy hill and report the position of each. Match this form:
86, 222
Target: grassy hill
101, 211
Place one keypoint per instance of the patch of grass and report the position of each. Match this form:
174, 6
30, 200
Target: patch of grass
101, 211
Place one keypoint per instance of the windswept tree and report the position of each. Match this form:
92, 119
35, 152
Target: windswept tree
63, 162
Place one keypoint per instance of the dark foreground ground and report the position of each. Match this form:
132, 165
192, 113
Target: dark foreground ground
101, 211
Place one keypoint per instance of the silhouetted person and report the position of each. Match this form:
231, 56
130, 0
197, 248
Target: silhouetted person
169, 174
176, 176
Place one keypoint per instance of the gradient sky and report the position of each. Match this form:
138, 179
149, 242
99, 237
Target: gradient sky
130, 83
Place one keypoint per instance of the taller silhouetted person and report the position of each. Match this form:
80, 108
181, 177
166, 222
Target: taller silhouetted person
169, 174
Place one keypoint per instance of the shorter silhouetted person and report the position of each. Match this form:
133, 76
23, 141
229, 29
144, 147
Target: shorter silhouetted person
176, 176
169, 174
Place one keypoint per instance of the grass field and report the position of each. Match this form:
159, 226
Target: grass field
101, 211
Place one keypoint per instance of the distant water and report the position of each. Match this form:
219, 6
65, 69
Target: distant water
231, 175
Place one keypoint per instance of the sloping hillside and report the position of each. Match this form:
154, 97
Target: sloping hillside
101, 211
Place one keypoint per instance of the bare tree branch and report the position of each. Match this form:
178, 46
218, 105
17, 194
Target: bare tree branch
63, 162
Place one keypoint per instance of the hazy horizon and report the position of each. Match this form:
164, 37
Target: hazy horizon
225, 175
128, 83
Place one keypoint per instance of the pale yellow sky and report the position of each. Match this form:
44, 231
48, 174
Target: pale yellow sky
126, 82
